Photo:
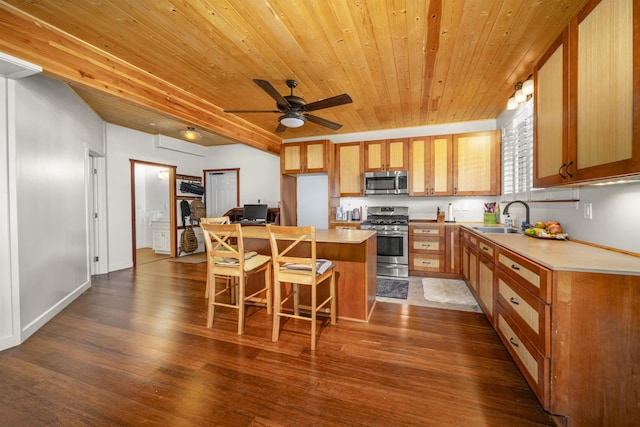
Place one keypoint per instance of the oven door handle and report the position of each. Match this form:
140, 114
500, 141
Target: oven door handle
393, 233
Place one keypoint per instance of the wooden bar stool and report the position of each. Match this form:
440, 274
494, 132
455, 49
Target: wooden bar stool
228, 258
207, 245
293, 250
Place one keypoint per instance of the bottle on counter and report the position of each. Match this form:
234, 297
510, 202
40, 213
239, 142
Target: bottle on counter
508, 221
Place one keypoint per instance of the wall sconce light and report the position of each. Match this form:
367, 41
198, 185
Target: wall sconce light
523, 92
190, 134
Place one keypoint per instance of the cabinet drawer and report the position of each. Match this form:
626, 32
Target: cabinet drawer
528, 311
486, 248
421, 230
428, 244
428, 263
533, 365
533, 277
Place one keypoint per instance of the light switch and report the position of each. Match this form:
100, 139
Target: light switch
588, 211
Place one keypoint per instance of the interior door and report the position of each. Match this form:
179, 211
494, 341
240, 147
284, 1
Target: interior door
221, 191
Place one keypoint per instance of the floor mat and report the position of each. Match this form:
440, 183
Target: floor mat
392, 288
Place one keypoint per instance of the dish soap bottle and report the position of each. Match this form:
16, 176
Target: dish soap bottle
508, 222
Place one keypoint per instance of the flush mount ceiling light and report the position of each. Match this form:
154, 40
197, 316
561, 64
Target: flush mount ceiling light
292, 120
190, 134
523, 92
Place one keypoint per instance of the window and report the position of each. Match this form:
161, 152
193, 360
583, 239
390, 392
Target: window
517, 153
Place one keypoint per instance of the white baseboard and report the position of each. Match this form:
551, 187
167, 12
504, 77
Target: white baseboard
31, 328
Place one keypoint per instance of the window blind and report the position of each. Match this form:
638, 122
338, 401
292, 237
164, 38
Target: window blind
517, 152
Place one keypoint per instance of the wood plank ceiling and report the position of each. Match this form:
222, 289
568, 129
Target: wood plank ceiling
176, 63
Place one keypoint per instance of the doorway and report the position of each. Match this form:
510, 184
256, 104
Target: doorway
96, 197
222, 191
152, 211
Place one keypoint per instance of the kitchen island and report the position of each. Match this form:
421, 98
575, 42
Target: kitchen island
354, 254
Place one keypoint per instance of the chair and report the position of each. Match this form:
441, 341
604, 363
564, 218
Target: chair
293, 250
227, 257
207, 245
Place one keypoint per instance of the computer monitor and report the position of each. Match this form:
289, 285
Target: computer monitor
256, 213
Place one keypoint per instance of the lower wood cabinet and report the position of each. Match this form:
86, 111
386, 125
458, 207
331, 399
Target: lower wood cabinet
434, 248
572, 334
470, 260
533, 365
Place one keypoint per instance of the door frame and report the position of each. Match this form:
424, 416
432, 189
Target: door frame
172, 203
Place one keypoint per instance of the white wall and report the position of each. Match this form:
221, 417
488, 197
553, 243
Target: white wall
53, 131
259, 171
259, 177
122, 145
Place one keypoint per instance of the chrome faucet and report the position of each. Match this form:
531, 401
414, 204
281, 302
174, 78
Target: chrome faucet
526, 207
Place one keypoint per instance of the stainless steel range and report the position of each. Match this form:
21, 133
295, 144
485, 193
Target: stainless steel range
392, 226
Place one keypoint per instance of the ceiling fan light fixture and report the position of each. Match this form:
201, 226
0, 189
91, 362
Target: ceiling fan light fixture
292, 120
190, 134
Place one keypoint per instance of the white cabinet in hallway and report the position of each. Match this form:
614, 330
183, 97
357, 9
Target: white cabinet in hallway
161, 237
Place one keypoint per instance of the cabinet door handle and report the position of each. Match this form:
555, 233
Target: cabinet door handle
484, 261
560, 171
513, 342
484, 248
567, 169
515, 267
514, 301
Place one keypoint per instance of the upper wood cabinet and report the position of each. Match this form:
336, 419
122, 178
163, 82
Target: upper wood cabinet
587, 98
349, 165
430, 167
386, 155
551, 138
305, 157
476, 164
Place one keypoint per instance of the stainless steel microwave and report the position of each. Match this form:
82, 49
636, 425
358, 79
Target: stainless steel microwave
389, 182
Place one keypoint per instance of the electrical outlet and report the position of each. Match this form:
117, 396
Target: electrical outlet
588, 211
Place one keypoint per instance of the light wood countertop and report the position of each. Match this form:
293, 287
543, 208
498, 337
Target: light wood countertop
350, 236
565, 254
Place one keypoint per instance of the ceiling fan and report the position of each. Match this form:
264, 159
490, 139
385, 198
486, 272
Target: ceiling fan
295, 110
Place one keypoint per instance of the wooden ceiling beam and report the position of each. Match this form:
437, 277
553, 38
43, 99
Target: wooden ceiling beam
73, 61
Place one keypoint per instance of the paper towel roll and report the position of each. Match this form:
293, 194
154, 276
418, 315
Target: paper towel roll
450, 213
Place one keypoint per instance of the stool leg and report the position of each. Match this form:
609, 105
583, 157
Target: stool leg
242, 281
276, 312
296, 299
314, 312
212, 300
333, 298
269, 284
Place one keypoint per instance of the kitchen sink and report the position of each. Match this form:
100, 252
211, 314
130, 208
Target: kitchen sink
503, 230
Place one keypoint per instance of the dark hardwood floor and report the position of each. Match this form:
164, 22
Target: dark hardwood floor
133, 350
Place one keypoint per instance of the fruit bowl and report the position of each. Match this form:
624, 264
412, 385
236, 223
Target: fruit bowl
540, 233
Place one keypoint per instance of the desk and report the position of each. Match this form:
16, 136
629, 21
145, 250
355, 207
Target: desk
354, 252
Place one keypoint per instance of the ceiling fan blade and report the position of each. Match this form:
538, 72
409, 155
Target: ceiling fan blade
281, 128
329, 102
267, 87
323, 122
251, 111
